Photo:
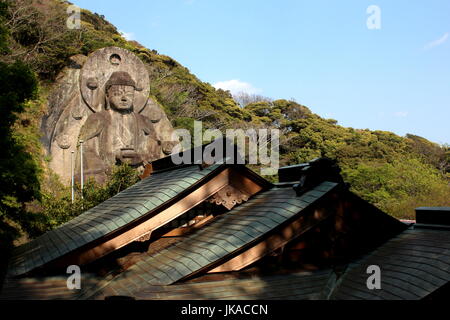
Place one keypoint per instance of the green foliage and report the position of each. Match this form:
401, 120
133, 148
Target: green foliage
397, 174
39, 35
3, 29
400, 186
18, 170
19, 181
431, 152
56, 209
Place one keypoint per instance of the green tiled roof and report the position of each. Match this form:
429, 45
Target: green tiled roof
413, 265
107, 217
223, 236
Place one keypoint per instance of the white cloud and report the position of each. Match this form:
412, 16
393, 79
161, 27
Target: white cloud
235, 86
437, 42
401, 114
127, 35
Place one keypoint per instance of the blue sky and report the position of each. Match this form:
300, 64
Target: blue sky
321, 53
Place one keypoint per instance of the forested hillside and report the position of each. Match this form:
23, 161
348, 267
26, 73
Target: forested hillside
395, 173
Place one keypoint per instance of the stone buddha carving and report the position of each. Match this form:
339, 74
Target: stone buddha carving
118, 134
104, 99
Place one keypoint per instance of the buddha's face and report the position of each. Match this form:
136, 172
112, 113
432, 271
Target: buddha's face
121, 98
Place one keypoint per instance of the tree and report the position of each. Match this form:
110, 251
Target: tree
400, 186
36, 30
3, 29
55, 209
19, 181
431, 152
244, 98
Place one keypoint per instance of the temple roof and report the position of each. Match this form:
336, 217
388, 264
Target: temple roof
318, 223
227, 235
129, 205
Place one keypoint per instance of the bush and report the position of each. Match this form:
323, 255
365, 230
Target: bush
399, 187
54, 210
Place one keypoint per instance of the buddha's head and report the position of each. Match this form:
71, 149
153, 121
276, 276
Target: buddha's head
120, 92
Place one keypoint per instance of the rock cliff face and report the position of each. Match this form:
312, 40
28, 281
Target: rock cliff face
103, 100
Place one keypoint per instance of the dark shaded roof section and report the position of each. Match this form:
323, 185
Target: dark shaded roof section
296, 286
230, 233
106, 218
413, 265
48, 288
